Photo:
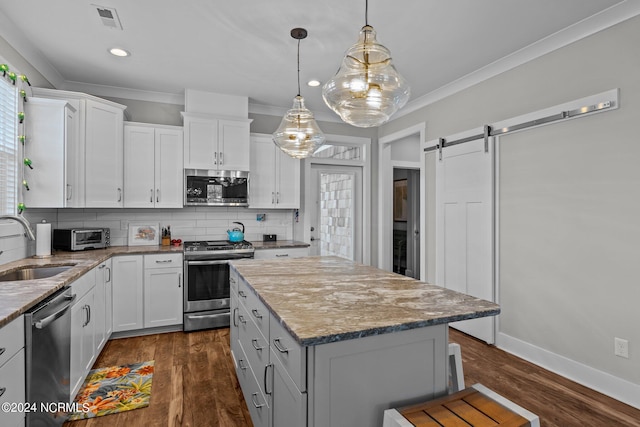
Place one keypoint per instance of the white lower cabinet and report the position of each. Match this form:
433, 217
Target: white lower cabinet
288, 402
83, 329
162, 290
147, 291
297, 252
12, 371
127, 292
102, 301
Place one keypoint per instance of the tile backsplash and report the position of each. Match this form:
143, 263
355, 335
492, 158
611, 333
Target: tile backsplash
188, 223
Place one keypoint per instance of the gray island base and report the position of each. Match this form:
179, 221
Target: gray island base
323, 341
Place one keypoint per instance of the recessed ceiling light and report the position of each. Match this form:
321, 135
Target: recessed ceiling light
118, 52
313, 83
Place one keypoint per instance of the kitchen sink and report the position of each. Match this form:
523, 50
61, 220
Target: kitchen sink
33, 272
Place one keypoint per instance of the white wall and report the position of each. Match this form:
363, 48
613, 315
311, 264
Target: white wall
569, 206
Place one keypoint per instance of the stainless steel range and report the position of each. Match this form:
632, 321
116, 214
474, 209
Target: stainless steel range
207, 288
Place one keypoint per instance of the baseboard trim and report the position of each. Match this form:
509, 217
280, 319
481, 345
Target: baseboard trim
602, 382
147, 331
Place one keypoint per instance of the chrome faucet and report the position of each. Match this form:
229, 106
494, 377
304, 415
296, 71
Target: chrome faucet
22, 220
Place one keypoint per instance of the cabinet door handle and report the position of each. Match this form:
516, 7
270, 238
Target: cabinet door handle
86, 316
151, 196
102, 266
119, 194
215, 158
256, 313
266, 368
158, 195
2, 350
179, 280
221, 158
281, 255
254, 400
241, 319
109, 270
69, 191
242, 294
277, 197
235, 311
2, 390
254, 343
279, 347
241, 364
163, 261
89, 311
273, 197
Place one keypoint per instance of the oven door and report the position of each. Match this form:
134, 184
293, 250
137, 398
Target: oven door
206, 285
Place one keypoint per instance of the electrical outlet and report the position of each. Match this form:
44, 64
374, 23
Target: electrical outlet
621, 347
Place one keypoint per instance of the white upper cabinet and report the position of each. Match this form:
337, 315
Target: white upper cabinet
275, 177
96, 180
153, 175
51, 141
104, 180
215, 143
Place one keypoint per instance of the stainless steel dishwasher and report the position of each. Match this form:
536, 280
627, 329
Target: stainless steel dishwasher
48, 359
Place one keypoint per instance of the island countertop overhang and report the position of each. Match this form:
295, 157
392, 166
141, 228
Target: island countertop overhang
326, 299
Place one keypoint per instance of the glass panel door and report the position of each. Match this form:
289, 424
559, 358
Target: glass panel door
336, 219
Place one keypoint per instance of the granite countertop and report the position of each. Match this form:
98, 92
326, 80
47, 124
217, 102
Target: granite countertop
16, 297
280, 244
326, 299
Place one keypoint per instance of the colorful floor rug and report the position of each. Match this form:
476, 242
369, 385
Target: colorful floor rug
115, 389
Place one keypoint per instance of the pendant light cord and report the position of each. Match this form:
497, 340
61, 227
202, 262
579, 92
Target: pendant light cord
298, 67
366, 12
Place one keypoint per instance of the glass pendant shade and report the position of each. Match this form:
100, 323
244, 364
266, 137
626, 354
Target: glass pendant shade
367, 89
298, 134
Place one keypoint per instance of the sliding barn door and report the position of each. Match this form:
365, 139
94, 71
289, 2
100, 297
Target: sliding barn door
464, 227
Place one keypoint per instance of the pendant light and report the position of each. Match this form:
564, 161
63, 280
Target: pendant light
298, 134
367, 89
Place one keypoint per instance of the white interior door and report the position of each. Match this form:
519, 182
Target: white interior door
464, 227
336, 216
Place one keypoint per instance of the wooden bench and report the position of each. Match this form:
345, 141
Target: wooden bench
476, 406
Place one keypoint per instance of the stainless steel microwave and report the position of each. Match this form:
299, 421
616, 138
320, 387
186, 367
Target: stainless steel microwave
204, 187
79, 239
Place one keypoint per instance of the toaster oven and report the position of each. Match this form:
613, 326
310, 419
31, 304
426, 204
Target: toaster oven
79, 239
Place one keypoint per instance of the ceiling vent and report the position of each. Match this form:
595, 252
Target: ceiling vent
108, 16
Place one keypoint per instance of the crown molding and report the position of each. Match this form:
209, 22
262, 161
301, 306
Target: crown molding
124, 93
607, 18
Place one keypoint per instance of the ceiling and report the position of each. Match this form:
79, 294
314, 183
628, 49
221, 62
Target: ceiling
243, 47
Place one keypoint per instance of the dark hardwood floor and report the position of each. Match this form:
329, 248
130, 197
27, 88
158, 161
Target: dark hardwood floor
194, 384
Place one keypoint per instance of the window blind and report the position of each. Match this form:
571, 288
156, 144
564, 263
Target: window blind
8, 148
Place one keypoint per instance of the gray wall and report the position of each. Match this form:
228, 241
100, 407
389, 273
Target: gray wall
568, 198
17, 62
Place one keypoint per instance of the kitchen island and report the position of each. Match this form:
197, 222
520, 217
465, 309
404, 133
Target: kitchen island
323, 341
